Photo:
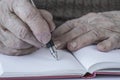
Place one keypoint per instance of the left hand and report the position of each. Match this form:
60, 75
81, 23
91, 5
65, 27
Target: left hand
13, 46
26, 22
91, 28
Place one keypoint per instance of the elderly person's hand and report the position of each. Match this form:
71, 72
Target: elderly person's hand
100, 28
23, 28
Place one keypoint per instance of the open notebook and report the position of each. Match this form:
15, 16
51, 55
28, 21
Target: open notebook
42, 64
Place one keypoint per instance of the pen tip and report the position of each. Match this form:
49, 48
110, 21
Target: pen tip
56, 56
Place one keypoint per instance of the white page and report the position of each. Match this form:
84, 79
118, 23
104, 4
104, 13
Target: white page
90, 56
40, 63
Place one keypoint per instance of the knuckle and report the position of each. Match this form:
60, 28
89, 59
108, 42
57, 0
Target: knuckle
99, 33
17, 44
22, 33
21, 45
91, 14
70, 24
32, 15
83, 41
47, 13
83, 28
88, 16
96, 36
95, 33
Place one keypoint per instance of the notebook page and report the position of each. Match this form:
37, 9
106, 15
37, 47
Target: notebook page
40, 63
90, 56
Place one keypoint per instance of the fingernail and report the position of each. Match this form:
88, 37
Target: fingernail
39, 45
57, 44
44, 38
101, 47
73, 45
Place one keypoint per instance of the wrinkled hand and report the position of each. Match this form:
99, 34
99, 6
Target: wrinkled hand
23, 28
100, 28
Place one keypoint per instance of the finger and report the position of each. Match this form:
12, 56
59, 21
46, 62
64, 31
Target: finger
14, 52
49, 19
109, 44
64, 28
32, 17
77, 31
84, 40
11, 41
20, 29
6, 50
21, 52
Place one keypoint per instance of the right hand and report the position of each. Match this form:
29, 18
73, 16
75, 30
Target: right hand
102, 29
23, 28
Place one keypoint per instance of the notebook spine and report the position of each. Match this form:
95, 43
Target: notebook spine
89, 76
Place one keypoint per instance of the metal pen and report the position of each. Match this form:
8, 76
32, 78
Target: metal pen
50, 45
53, 50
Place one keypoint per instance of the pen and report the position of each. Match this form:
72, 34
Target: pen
53, 50
50, 44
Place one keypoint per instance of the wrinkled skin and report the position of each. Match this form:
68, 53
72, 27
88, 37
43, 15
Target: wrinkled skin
100, 28
23, 28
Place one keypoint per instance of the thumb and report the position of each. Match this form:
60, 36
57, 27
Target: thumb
49, 19
109, 44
